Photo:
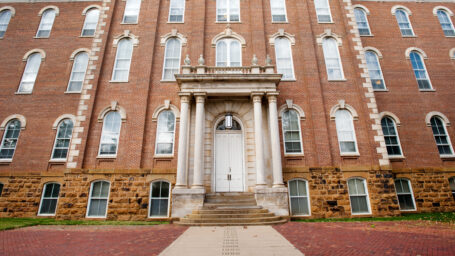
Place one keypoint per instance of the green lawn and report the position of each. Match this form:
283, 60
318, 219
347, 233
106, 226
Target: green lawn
11, 223
437, 216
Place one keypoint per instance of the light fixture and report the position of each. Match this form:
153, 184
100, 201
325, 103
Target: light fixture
228, 121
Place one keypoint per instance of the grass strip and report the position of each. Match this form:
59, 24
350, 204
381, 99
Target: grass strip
435, 216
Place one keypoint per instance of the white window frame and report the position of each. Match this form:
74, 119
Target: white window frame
300, 133
426, 71
285, 12
1, 188
316, 7
56, 138
157, 134
408, 21
6, 24
380, 71
165, 57
41, 24
90, 200
342, 78
42, 198
4, 137
118, 138
353, 134
228, 12
364, 181
397, 135
138, 11
84, 27
115, 69
28, 66
451, 191
444, 126
73, 71
450, 22
151, 198
366, 18
307, 196
183, 13
291, 58
402, 193
227, 41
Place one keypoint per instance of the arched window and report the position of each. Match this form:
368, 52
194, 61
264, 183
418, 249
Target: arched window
228, 53
10, 137
452, 186
30, 73
91, 21
176, 10
110, 134
392, 141
165, 133
78, 72
228, 10
99, 196
123, 60
171, 64
1, 189
291, 132
47, 21
404, 23
62, 139
446, 23
420, 71
159, 199
131, 14
299, 197
358, 195
374, 70
332, 59
345, 131
362, 22
283, 54
49, 199
278, 8
5, 17
323, 10
405, 195
440, 136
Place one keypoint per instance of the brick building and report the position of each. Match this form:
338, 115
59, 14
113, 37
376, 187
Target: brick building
138, 109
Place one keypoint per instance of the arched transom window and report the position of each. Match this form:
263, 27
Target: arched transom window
123, 60
10, 137
228, 53
446, 23
5, 17
332, 59
362, 22
403, 22
420, 71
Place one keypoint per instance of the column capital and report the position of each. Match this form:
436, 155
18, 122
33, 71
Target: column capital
257, 96
185, 97
272, 96
200, 97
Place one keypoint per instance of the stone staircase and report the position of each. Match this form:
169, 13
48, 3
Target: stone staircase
230, 209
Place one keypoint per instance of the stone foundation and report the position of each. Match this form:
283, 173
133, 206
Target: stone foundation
184, 201
273, 199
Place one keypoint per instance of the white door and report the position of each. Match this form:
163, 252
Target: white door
229, 161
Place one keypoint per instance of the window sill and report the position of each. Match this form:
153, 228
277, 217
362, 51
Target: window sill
164, 156
413, 210
370, 35
135, 23
450, 36
67, 92
427, 90
225, 22
326, 22
45, 215
106, 157
118, 82
57, 160
289, 155
397, 158
380, 90
288, 80
414, 36
280, 22
35, 37
366, 214
168, 81
350, 155
337, 80
87, 36
447, 157
23, 93
175, 22
6, 160
95, 217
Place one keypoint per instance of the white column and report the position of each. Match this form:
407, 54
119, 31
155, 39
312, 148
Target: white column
198, 177
182, 159
275, 141
260, 175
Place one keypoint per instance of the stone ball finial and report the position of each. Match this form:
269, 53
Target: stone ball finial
187, 60
201, 60
254, 61
268, 60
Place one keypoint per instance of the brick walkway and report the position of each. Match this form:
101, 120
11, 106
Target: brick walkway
361, 238
88, 240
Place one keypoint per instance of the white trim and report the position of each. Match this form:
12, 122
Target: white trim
85, 21
168, 199
281, 33
116, 61
72, 71
10, 8
118, 139
342, 105
45, 9
364, 181
396, 7
407, 12
227, 41
448, 13
165, 56
90, 199
21, 119
452, 53
296, 107
439, 7
411, 191
228, 33
293, 78
173, 136
424, 66
166, 106
228, 12
375, 52
302, 151
137, 14
307, 196
42, 197
183, 14
362, 7
17, 141
330, 12
391, 115
338, 58
84, 12
365, 13
113, 107
72, 119
57, 11
411, 49
444, 125
436, 113
36, 50
356, 152
173, 33
401, 155
285, 13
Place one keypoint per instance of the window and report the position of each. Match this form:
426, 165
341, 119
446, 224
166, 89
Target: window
451, 184
123, 60
10, 137
176, 10
323, 10
420, 71
171, 64
78, 72
49, 199
403, 23
97, 203
91, 20
345, 131
5, 17
110, 134
362, 22
332, 59
30, 73
284, 64
405, 196
358, 195
131, 14
165, 133
228, 10
62, 139
440, 136
228, 53
1, 189
278, 10
298, 197
374, 70
392, 141
446, 23
159, 199
291, 132
45, 26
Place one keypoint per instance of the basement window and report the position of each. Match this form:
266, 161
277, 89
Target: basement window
49, 199
159, 199
97, 203
405, 195
358, 195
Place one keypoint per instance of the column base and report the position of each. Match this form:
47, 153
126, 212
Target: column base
278, 185
273, 199
185, 200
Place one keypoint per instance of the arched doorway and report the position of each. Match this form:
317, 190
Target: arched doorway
229, 159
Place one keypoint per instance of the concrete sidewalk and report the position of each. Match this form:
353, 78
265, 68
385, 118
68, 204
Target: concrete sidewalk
231, 240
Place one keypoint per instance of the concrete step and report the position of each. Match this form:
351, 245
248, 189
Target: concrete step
231, 211
230, 200
229, 204
281, 221
235, 215
231, 220
232, 194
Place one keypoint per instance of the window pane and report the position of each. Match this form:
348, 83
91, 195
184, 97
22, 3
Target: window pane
5, 17
48, 206
362, 22
322, 10
440, 136
131, 11
359, 204
90, 23
45, 26
406, 202
283, 55
30, 73
10, 138
345, 131
332, 59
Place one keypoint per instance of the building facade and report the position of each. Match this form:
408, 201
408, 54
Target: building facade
137, 109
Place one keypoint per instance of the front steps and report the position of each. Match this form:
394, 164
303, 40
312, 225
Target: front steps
230, 209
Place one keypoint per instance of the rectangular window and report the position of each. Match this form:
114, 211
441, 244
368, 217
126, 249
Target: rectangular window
176, 10
49, 199
291, 132
278, 10
323, 10
299, 199
131, 14
228, 10
405, 196
159, 199
99, 195
358, 195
